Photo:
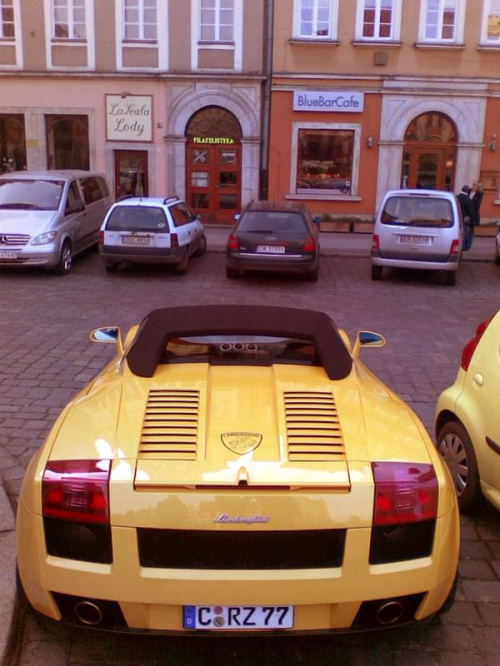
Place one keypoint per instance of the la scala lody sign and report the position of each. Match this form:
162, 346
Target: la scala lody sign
129, 118
330, 101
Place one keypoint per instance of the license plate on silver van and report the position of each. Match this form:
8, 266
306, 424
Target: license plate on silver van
415, 240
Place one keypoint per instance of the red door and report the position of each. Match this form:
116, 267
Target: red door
213, 187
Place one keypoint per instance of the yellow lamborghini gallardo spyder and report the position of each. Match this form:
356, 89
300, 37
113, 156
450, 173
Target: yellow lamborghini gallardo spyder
237, 469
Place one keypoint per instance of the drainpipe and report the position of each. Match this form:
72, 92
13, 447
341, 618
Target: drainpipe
266, 98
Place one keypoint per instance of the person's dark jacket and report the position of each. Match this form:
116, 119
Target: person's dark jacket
466, 207
476, 199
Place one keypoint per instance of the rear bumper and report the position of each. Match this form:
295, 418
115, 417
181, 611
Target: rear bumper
149, 599
118, 255
451, 263
272, 263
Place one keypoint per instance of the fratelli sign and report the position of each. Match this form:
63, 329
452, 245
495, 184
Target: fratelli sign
329, 101
129, 117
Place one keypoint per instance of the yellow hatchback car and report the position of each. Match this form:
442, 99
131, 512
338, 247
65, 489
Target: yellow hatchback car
237, 469
467, 422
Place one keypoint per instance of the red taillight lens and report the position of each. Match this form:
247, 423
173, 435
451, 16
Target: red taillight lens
454, 247
404, 493
375, 242
101, 237
232, 242
470, 347
174, 240
309, 246
77, 490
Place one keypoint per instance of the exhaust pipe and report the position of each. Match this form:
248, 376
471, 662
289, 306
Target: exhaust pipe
389, 613
88, 613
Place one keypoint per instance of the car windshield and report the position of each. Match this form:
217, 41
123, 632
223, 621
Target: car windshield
271, 222
417, 211
30, 194
240, 350
137, 218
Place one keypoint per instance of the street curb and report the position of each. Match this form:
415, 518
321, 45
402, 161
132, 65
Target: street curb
8, 586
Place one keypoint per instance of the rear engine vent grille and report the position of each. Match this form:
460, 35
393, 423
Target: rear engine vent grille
313, 426
170, 428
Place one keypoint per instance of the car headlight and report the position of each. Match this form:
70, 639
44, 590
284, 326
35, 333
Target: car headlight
44, 239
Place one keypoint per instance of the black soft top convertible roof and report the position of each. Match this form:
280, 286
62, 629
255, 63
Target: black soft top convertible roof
161, 325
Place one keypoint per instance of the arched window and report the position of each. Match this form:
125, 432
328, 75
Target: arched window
67, 142
431, 126
214, 122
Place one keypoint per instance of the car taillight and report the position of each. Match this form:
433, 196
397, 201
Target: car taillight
174, 240
101, 237
404, 493
232, 242
470, 347
375, 242
76, 490
309, 245
455, 247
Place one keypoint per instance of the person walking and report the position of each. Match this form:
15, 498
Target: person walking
476, 197
467, 209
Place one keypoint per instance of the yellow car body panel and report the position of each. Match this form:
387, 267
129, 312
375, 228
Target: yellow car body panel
237, 472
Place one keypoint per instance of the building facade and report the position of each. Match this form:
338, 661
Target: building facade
370, 95
164, 96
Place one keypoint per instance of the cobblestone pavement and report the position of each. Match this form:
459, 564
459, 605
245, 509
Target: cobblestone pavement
46, 357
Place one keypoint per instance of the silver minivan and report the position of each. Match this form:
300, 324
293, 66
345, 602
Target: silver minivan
418, 229
46, 217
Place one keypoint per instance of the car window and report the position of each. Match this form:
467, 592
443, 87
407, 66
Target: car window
239, 350
141, 218
181, 214
271, 221
91, 189
30, 194
417, 212
73, 196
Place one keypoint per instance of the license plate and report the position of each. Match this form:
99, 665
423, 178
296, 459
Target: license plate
416, 240
237, 618
136, 240
270, 249
8, 255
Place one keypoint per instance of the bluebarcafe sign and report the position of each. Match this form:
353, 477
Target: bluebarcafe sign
340, 101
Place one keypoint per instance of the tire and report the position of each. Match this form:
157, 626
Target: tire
111, 268
65, 260
450, 278
497, 258
202, 247
232, 273
182, 266
376, 272
455, 446
312, 276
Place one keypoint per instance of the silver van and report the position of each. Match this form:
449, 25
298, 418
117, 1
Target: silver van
46, 217
418, 229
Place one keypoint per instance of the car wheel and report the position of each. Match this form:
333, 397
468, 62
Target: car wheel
111, 268
182, 266
456, 448
376, 272
65, 260
232, 273
312, 276
450, 278
202, 247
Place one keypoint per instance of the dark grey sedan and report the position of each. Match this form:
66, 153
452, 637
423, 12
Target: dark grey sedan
274, 236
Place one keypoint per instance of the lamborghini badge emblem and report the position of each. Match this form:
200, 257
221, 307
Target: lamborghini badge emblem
241, 442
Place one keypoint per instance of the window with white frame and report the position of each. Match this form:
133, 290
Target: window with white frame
7, 29
217, 20
441, 21
491, 22
140, 20
315, 19
378, 20
69, 19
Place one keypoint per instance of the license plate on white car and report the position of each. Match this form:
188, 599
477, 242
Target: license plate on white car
270, 249
416, 240
8, 255
237, 618
136, 240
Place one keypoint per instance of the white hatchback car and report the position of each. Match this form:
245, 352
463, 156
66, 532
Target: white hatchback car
150, 230
418, 229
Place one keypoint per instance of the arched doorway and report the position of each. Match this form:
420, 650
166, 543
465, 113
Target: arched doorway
429, 153
213, 165
67, 142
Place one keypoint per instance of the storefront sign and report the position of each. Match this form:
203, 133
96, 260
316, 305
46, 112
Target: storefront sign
129, 118
212, 139
329, 101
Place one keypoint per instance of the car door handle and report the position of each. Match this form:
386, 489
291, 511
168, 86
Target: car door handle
478, 379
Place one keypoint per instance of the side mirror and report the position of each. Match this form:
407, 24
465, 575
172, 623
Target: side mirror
367, 339
108, 335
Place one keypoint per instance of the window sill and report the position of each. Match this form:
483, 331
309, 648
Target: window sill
67, 41
377, 43
323, 197
313, 41
140, 42
216, 44
451, 46
484, 46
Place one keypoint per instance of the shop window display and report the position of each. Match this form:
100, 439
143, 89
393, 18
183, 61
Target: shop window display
325, 159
